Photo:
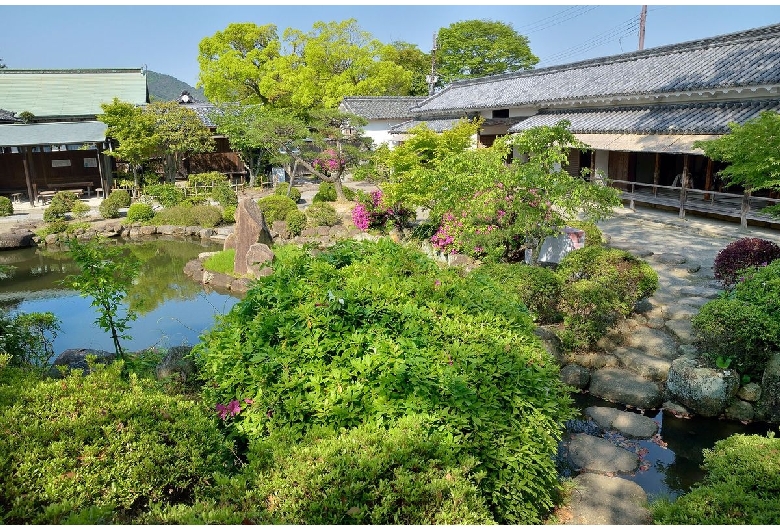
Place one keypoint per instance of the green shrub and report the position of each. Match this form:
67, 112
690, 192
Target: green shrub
6, 207
224, 195
28, 338
743, 325
53, 227
79, 209
206, 216
167, 195
140, 212
222, 262
589, 310
742, 486
205, 181
327, 193
629, 277
61, 203
296, 222
295, 193
99, 448
372, 332
122, 198
406, 474
109, 207
322, 214
539, 288
229, 214
276, 207
593, 235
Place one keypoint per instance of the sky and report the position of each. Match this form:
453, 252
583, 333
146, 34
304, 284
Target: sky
165, 38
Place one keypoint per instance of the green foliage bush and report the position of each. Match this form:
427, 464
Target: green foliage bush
744, 324
742, 486
369, 333
593, 235
589, 310
6, 207
61, 203
122, 198
140, 212
629, 277
295, 193
296, 222
28, 338
204, 215
322, 214
205, 180
229, 214
224, 195
100, 448
406, 474
109, 207
276, 207
167, 195
327, 193
79, 209
539, 288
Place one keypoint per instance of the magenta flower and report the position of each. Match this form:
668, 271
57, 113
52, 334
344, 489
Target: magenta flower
234, 407
249, 401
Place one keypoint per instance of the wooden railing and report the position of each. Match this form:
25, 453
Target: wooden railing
741, 206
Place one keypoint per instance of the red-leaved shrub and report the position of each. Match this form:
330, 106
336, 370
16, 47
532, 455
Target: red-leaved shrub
746, 252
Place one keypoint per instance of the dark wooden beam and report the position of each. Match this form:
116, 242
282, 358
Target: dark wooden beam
27, 161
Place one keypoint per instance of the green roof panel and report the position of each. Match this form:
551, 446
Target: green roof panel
18, 135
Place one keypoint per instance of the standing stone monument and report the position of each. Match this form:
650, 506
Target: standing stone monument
251, 229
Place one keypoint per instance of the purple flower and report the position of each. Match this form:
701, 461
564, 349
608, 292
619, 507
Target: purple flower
222, 410
361, 217
234, 407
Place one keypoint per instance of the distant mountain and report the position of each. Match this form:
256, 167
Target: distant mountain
163, 87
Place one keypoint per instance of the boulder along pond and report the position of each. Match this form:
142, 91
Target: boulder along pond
174, 310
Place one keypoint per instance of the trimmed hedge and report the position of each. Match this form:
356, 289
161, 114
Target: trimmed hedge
740, 254
296, 222
140, 212
203, 215
322, 214
539, 288
295, 193
327, 193
276, 207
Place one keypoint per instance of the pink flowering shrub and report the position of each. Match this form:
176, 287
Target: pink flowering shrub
329, 162
370, 212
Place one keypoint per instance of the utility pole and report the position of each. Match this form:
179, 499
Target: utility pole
642, 19
432, 77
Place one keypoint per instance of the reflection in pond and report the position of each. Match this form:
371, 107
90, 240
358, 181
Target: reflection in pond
172, 309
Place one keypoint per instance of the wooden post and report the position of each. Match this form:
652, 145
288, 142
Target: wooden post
743, 213
684, 187
31, 193
708, 179
656, 173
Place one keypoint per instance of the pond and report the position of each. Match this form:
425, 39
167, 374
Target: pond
172, 309
670, 465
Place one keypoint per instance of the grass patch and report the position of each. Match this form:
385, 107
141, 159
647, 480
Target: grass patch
221, 262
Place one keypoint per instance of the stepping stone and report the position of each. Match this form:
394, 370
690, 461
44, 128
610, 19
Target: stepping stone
623, 386
600, 500
656, 342
670, 258
628, 423
704, 292
644, 363
596, 454
682, 329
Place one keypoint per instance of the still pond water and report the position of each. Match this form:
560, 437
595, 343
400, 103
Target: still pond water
174, 310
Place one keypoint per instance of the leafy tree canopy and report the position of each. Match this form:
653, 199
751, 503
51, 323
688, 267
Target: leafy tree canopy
413, 60
476, 48
751, 150
249, 64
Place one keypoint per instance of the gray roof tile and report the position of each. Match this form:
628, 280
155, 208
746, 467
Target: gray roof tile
692, 118
748, 58
6, 116
435, 124
381, 107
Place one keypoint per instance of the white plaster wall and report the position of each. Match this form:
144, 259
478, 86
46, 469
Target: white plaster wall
602, 162
378, 132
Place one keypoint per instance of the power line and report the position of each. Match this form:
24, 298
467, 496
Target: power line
554, 20
625, 28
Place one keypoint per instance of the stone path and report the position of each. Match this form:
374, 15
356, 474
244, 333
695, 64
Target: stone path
634, 360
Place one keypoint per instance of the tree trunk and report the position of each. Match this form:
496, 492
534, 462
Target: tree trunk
340, 197
293, 171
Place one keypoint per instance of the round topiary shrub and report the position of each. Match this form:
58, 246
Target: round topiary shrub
122, 198
589, 310
205, 215
296, 222
539, 288
322, 214
276, 208
229, 213
79, 209
6, 207
628, 276
109, 207
327, 193
740, 254
140, 212
295, 193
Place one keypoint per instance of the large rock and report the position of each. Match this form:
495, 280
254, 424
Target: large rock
76, 359
622, 386
705, 391
575, 375
629, 423
768, 405
250, 230
600, 500
643, 363
16, 239
258, 257
596, 454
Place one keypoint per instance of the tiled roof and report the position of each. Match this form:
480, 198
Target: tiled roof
748, 58
436, 125
203, 110
61, 93
7, 116
18, 135
692, 118
381, 107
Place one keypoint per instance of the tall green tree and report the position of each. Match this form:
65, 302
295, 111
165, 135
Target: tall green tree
133, 130
752, 151
476, 48
234, 61
413, 60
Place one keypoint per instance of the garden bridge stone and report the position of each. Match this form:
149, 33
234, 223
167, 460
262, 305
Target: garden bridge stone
624, 386
598, 455
601, 500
